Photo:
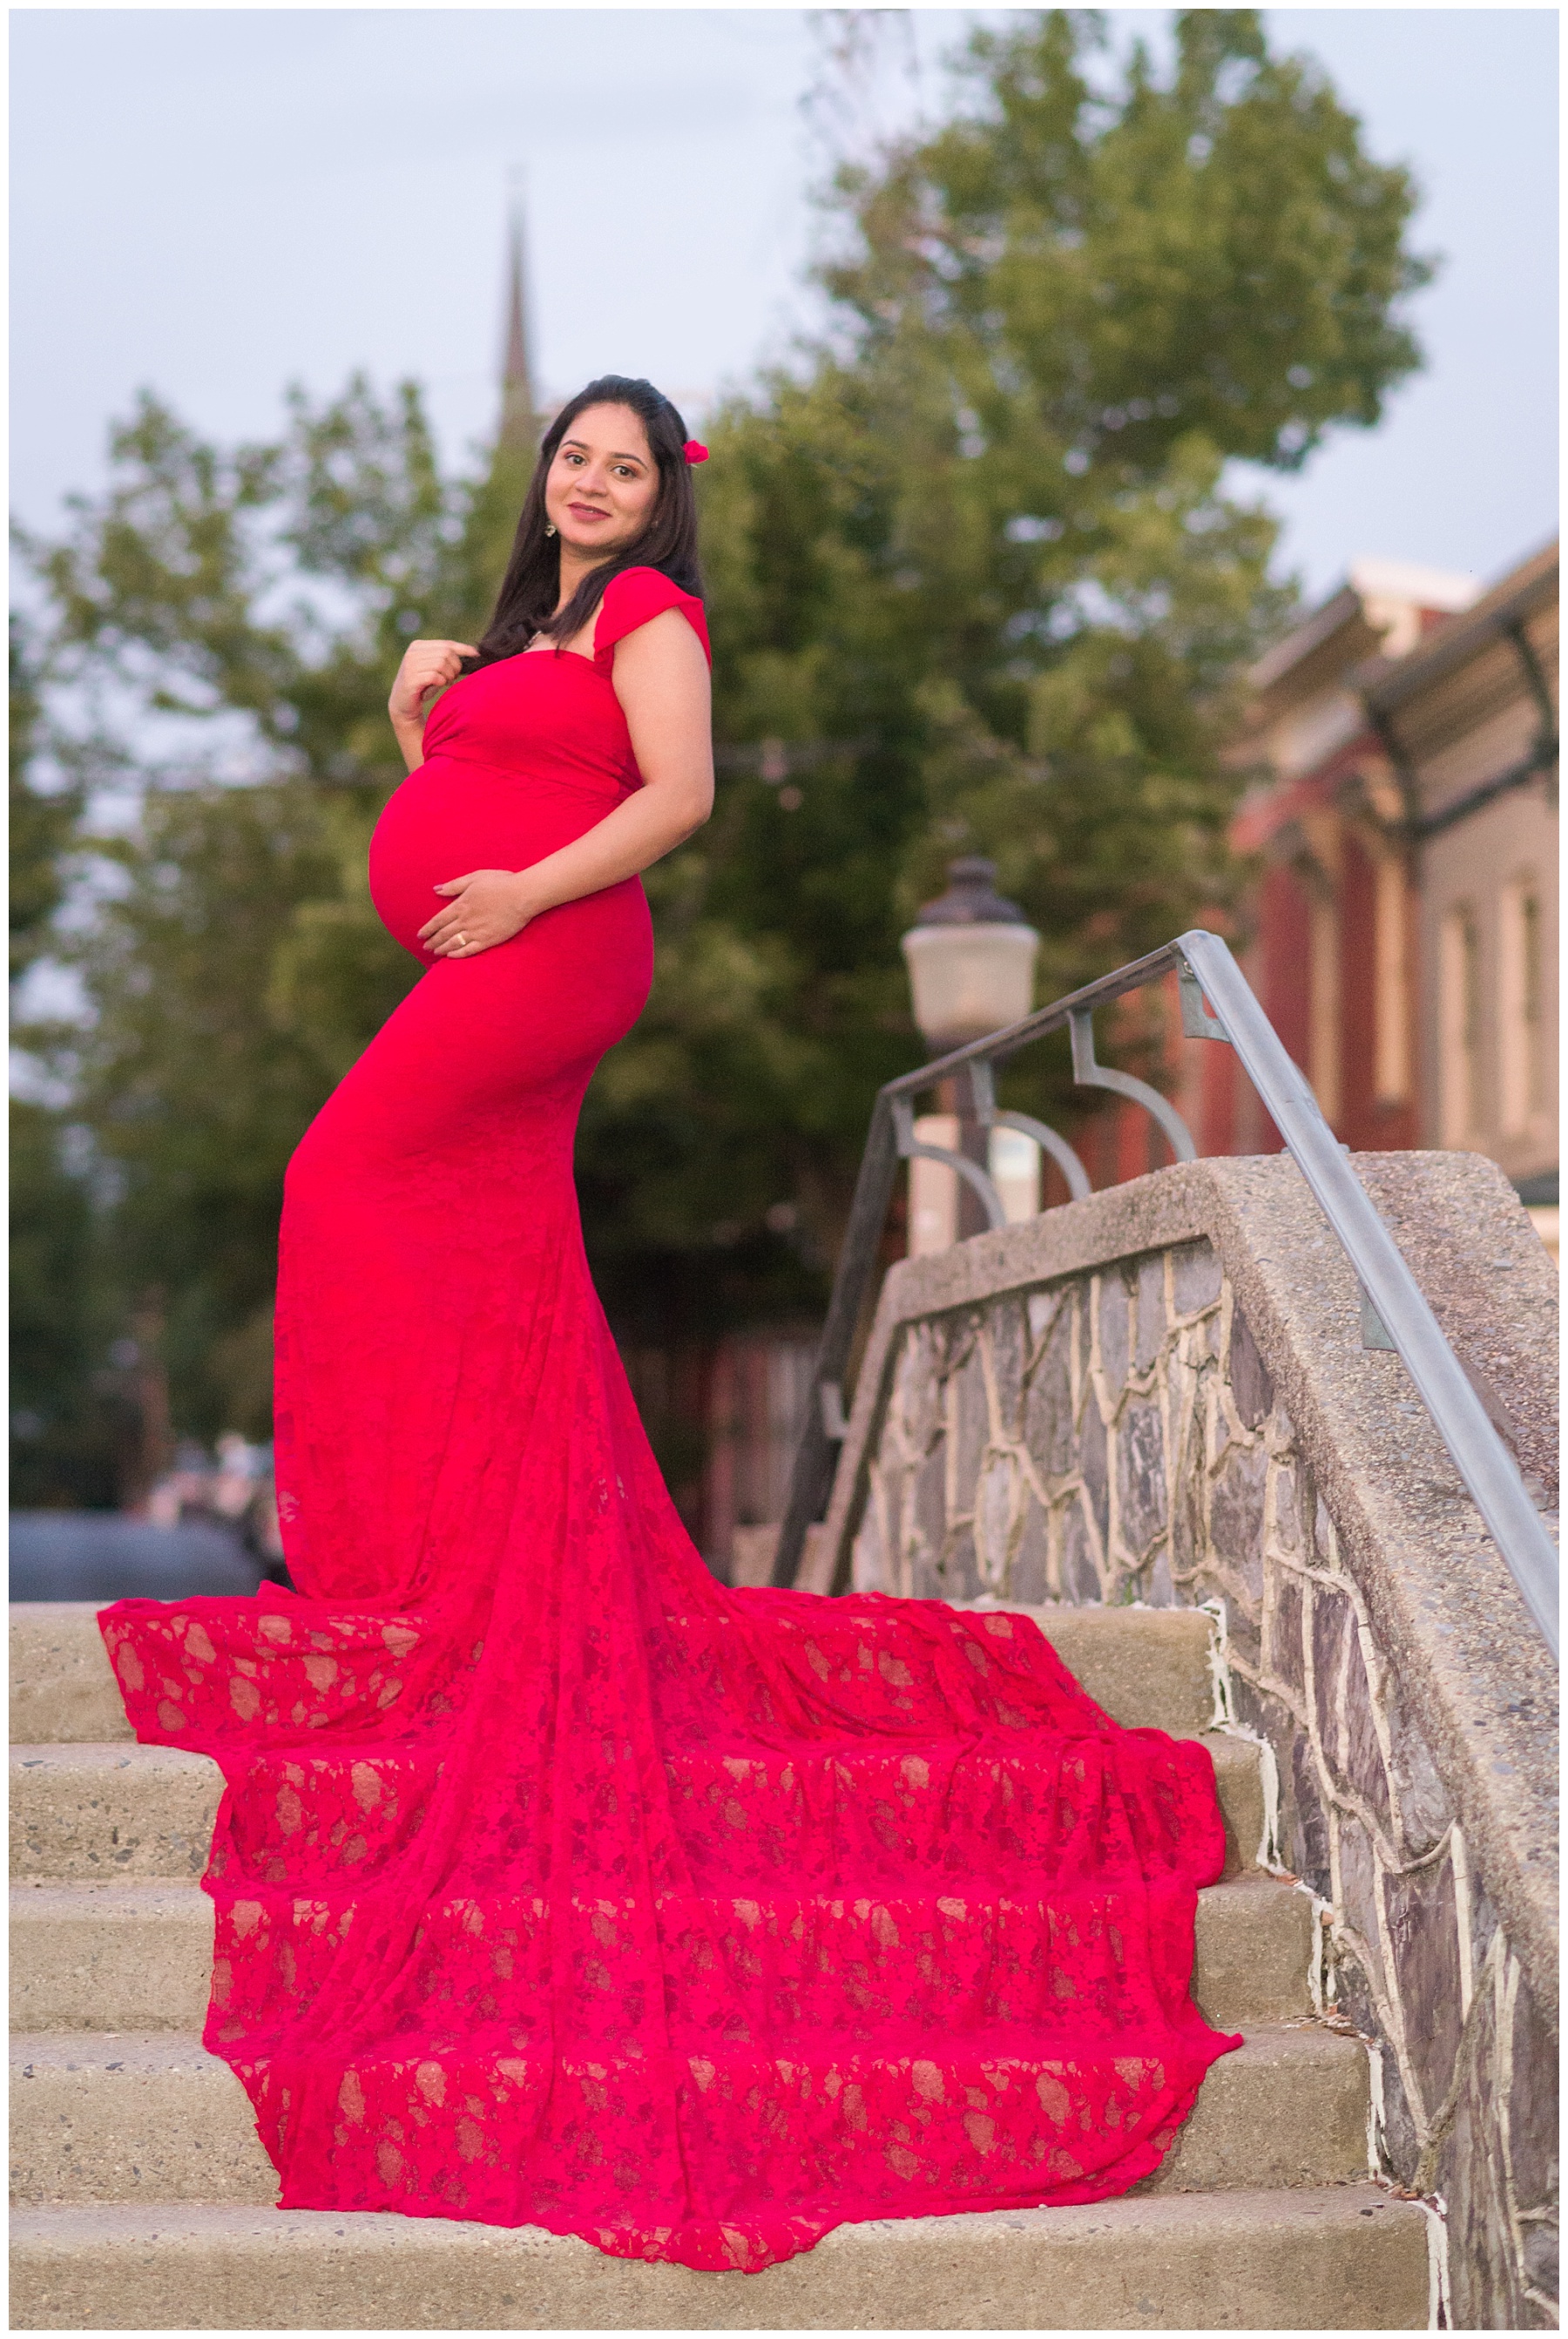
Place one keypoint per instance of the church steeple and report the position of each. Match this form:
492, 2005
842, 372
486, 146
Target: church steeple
519, 427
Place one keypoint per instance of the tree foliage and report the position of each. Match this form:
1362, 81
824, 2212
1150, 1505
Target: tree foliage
972, 561
69, 1429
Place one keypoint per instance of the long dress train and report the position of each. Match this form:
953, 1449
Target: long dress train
557, 1884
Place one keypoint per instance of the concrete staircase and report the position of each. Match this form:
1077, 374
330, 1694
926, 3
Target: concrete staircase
142, 2197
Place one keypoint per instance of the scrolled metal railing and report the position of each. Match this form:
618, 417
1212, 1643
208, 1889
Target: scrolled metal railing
1217, 1003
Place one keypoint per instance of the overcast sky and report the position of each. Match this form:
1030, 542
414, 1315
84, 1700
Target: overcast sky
215, 202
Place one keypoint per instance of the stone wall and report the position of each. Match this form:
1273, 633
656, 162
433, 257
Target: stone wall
1159, 1394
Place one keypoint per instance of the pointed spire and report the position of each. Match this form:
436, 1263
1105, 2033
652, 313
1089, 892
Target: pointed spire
519, 432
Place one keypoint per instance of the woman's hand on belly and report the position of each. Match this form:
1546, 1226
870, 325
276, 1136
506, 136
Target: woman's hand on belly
488, 906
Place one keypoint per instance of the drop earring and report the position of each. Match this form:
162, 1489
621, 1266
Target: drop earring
549, 528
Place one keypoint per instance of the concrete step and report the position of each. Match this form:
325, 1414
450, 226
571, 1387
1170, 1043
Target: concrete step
1290, 2107
1238, 1782
1346, 2258
99, 2115
139, 1956
1256, 1943
94, 1811
87, 1812
1147, 1667
110, 1957
62, 1683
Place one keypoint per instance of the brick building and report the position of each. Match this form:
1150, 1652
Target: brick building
1404, 922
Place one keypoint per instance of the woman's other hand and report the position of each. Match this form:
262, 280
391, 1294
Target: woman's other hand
426, 668
487, 906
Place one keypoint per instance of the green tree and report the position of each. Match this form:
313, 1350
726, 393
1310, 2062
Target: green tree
72, 1430
70, 1427
246, 609
986, 534
43, 820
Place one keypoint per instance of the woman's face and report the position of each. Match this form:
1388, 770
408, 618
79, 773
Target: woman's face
602, 485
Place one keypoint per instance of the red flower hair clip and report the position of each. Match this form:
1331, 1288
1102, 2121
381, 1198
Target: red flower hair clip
695, 451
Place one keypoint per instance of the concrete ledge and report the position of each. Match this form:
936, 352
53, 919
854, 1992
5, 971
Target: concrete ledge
99, 1811
1352, 2258
62, 1685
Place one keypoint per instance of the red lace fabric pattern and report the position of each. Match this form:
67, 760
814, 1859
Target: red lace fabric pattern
557, 1884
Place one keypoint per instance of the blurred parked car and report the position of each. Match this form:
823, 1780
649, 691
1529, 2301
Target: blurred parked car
107, 1555
209, 1526
236, 1489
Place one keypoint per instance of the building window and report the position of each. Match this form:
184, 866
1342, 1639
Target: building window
1392, 1003
1459, 1009
1520, 1061
1323, 1028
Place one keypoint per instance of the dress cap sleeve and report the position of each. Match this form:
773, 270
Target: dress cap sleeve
631, 599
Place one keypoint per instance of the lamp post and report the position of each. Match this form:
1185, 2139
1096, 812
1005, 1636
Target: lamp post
971, 958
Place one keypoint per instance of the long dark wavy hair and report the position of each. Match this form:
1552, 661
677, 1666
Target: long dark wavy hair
526, 603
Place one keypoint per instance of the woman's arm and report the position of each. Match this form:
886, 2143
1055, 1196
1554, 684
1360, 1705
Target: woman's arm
661, 678
426, 668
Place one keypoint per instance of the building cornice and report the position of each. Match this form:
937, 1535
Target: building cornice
1387, 684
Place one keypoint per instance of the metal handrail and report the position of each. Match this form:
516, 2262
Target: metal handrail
1217, 1003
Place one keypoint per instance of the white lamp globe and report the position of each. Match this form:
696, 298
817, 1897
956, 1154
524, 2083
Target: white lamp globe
971, 958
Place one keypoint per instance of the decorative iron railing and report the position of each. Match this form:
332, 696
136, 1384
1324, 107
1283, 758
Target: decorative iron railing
1217, 1003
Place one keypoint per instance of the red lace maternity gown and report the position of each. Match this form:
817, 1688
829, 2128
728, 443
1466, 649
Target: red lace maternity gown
555, 1884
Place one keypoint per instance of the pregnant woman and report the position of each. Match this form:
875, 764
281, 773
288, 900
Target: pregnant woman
555, 1884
